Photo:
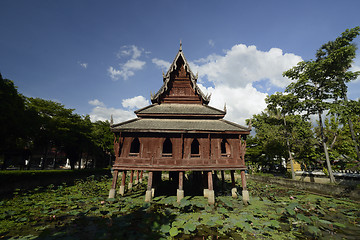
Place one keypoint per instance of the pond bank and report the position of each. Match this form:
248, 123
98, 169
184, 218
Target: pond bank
342, 191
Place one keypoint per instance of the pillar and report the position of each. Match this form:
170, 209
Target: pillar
222, 180
205, 183
130, 185
180, 191
137, 177
211, 193
233, 189
245, 193
113, 185
141, 176
122, 186
148, 193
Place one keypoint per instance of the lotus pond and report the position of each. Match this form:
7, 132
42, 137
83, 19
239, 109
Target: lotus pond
82, 211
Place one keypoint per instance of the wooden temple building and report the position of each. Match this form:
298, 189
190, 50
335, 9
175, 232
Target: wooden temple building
179, 132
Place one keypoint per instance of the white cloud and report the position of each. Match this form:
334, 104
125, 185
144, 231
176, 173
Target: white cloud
103, 113
246, 64
130, 51
233, 76
128, 68
241, 102
161, 63
235, 73
96, 102
211, 43
133, 64
84, 65
135, 102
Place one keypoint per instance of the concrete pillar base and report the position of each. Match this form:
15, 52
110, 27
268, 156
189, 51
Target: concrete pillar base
211, 197
180, 195
234, 192
122, 190
112, 193
206, 192
136, 182
148, 195
245, 196
152, 192
130, 185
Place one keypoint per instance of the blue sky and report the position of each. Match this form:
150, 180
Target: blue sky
104, 57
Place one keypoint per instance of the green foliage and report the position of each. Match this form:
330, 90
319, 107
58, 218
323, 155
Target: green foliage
49, 125
83, 212
319, 85
269, 145
12, 117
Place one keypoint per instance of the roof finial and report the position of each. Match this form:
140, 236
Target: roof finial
111, 120
250, 124
225, 107
180, 46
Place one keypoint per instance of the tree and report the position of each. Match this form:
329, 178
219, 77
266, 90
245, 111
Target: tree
284, 104
337, 57
103, 138
12, 112
274, 140
323, 79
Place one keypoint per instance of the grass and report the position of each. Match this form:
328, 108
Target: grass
83, 211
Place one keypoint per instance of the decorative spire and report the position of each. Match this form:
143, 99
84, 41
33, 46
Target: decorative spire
180, 46
111, 120
225, 107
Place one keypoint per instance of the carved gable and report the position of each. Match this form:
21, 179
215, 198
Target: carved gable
180, 85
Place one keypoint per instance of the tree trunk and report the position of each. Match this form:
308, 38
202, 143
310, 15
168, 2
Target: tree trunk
332, 179
54, 166
351, 127
79, 167
289, 151
44, 161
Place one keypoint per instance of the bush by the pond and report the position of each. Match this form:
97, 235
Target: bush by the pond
29, 179
83, 211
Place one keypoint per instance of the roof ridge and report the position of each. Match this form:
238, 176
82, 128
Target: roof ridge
235, 124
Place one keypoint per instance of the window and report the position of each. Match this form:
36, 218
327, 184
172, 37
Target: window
135, 147
195, 146
225, 148
167, 148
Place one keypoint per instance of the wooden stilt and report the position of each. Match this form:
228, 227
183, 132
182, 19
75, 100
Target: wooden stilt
180, 191
113, 185
148, 194
130, 185
141, 176
181, 180
222, 179
211, 193
137, 177
245, 193
243, 180
233, 190
122, 186
205, 183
